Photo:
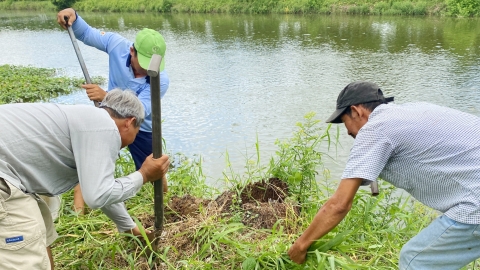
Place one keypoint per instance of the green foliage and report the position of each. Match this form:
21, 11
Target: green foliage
464, 8
394, 7
63, 4
185, 176
249, 264
125, 5
30, 84
124, 164
26, 5
298, 159
390, 8
370, 237
361, 9
323, 245
381, 8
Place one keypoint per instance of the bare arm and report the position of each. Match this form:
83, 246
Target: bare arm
327, 218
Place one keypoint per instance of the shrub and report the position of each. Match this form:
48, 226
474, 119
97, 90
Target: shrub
464, 8
63, 4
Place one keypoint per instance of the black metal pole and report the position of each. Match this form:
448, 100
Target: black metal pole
153, 72
79, 55
374, 188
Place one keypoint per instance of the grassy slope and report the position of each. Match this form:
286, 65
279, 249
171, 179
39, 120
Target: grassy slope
369, 238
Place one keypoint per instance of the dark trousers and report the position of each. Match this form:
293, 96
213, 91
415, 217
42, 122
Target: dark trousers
141, 148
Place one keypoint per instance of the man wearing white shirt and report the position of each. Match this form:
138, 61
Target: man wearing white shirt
47, 149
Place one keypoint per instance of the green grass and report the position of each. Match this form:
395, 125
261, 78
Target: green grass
27, 5
461, 8
370, 237
427, 7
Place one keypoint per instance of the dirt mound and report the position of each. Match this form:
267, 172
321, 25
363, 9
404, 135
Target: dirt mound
273, 190
266, 191
180, 208
261, 205
266, 215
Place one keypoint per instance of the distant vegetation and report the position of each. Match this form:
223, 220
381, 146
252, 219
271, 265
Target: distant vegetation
461, 8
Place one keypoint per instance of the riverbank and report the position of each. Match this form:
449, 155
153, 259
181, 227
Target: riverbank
461, 8
249, 224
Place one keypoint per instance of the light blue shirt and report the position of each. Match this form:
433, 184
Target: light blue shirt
120, 75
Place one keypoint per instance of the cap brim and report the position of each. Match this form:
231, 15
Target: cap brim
335, 117
145, 62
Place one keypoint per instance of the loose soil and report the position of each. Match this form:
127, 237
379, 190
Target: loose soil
260, 205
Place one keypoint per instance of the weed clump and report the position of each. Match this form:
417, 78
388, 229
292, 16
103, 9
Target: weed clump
30, 84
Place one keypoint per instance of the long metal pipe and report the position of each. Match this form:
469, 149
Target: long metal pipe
153, 72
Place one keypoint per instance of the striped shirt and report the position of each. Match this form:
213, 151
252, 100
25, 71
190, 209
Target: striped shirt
430, 151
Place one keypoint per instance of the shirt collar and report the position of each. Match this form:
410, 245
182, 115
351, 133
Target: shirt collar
128, 64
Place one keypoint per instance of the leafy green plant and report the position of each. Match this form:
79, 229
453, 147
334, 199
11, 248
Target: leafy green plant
63, 4
186, 177
464, 8
298, 159
31, 84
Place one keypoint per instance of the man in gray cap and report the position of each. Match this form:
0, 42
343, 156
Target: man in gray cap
430, 151
47, 149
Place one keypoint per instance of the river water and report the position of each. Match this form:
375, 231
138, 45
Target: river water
238, 78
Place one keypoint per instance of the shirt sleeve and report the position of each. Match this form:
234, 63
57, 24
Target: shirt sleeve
118, 214
369, 155
104, 41
95, 155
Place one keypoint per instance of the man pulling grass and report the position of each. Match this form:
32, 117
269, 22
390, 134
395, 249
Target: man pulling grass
47, 149
432, 152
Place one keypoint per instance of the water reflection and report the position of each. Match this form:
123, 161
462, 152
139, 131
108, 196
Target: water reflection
234, 78
391, 34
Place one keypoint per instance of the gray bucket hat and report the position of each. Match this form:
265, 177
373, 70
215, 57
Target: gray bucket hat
358, 92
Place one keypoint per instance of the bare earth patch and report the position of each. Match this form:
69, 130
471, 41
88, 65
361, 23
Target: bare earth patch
262, 205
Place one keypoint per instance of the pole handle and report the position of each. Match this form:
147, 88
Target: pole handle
154, 66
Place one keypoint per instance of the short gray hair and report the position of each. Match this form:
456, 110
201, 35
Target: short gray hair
123, 104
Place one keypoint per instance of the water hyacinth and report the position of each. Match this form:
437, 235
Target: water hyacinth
31, 84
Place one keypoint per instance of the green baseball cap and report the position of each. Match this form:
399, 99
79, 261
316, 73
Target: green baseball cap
147, 43
355, 93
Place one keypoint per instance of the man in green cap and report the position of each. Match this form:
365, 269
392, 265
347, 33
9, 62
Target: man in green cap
128, 64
